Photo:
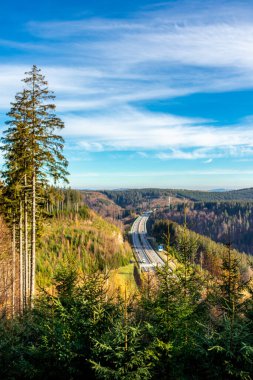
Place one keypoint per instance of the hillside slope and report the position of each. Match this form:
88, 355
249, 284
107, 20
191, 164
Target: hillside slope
223, 222
207, 253
83, 239
103, 205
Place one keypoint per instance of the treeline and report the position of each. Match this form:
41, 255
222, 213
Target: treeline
62, 201
139, 198
104, 206
133, 198
182, 325
225, 222
212, 196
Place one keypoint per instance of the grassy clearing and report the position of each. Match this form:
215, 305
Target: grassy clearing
123, 278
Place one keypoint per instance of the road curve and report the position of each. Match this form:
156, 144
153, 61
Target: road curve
146, 256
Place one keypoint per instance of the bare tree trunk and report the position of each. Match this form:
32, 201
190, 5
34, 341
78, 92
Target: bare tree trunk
33, 248
26, 258
13, 266
125, 321
21, 293
5, 283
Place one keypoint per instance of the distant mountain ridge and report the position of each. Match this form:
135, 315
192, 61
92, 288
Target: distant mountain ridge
218, 195
218, 190
133, 197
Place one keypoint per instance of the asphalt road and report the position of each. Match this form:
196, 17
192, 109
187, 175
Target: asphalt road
147, 257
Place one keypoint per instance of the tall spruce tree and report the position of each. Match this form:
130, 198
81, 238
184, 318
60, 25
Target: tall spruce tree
14, 154
33, 155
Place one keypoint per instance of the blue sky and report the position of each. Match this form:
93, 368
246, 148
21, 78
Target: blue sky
153, 94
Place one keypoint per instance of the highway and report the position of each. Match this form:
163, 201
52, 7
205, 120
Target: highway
146, 257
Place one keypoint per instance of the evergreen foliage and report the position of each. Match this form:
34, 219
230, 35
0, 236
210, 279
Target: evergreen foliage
77, 234
205, 252
195, 329
33, 155
135, 197
221, 221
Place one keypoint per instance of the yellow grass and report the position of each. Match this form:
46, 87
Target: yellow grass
122, 279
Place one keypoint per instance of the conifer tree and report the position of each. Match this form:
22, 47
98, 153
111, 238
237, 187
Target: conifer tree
45, 146
228, 337
33, 155
12, 202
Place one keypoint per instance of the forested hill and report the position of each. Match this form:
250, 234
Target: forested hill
81, 237
206, 196
223, 222
135, 197
71, 234
207, 253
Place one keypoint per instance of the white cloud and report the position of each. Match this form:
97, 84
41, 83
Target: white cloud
194, 36
124, 127
100, 81
175, 137
91, 146
88, 89
62, 29
218, 45
10, 83
193, 154
180, 49
143, 154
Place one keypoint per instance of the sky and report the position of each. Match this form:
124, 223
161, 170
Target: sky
152, 93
